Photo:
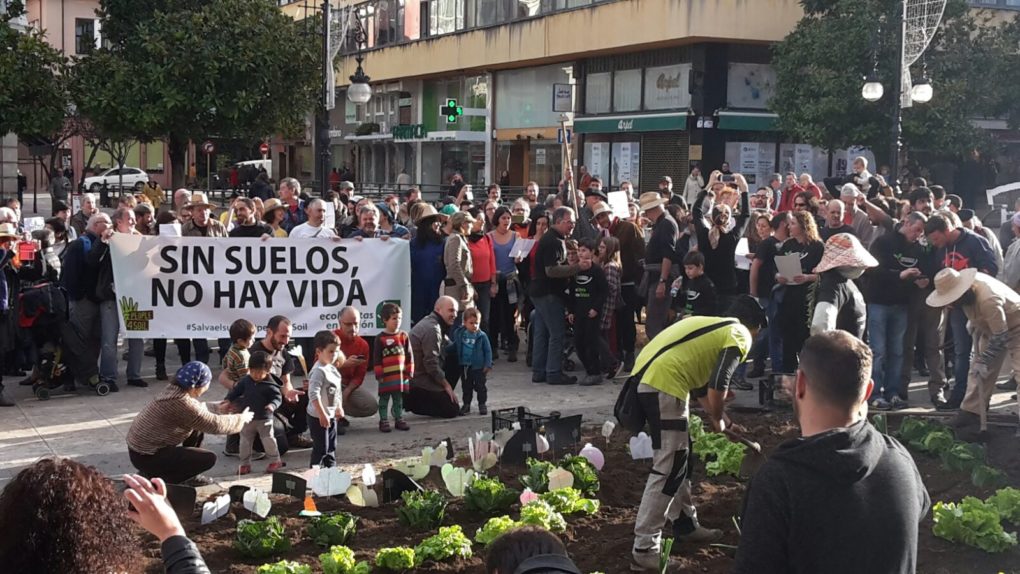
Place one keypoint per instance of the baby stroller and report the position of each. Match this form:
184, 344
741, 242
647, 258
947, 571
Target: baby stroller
43, 312
568, 363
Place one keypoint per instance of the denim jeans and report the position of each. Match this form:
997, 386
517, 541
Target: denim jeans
136, 350
886, 326
962, 343
771, 305
109, 325
548, 328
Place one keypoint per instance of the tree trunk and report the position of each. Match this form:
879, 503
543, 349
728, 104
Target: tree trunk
178, 148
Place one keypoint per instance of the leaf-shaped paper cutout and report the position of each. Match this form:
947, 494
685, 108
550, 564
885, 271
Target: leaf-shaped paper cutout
438, 456
641, 446
594, 456
258, 502
560, 478
456, 478
502, 436
368, 475
215, 508
360, 495
486, 462
331, 482
542, 444
413, 467
528, 496
607, 429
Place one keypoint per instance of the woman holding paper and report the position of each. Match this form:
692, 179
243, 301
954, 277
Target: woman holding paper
799, 255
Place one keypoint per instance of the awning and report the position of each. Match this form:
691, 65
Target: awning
748, 121
636, 123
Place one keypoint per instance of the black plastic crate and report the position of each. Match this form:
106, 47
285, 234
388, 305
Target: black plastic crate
505, 418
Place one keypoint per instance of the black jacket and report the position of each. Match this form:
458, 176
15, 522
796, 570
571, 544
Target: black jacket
719, 261
848, 500
257, 395
181, 556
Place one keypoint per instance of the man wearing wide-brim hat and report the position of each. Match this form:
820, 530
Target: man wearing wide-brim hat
993, 312
586, 227
661, 266
201, 223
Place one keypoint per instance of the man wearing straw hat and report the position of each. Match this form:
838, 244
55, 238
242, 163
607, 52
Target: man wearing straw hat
659, 258
993, 311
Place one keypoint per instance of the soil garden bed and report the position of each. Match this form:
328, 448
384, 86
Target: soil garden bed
602, 542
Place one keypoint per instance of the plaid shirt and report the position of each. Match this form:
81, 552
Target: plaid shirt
613, 299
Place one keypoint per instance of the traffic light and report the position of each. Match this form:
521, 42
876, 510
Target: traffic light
451, 110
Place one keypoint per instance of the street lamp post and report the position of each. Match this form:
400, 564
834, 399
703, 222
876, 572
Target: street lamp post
915, 22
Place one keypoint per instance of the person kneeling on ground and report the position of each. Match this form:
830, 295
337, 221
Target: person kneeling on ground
694, 357
164, 438
59, 515
529, 550
431, 394
841, 480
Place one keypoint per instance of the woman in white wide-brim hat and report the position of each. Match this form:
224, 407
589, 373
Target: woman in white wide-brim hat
993, 312
838, 302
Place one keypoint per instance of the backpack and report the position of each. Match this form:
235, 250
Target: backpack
628, 409
43, 305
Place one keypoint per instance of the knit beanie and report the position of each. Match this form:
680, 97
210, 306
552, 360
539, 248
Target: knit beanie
194, 375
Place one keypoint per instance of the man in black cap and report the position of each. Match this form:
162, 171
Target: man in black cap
586, 226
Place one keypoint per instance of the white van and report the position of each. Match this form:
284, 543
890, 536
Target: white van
266, 164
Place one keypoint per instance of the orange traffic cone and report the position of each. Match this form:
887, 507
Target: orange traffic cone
310, 509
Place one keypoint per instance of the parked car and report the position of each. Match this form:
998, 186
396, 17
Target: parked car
129, 177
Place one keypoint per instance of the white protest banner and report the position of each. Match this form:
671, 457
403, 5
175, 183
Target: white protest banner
195, 287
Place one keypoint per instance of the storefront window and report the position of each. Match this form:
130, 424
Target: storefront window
750, 86
627, 91
626, 163
597, 93
597, 158
545, 164
666, 87
524, 97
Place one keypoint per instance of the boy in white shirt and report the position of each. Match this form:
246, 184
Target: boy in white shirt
325, 404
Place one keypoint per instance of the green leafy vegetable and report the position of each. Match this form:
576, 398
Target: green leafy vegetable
340, 560
396, 559
721, 455
986, 476
972, 522
963, 456
449, 543
261, 539
913, 430
667, 547
537, 478
937, 441
489, 495
422, 510
586, 477
540, 513
570, 501
1007, 503
695, 427
284, 567
332, 528
493, 529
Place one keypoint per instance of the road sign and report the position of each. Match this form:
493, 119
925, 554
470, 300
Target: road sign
563, 98
264, 148
451, 110
208, 147
559, 135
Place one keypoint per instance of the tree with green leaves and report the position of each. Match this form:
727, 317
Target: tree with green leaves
33, 98
821, 66
184, 70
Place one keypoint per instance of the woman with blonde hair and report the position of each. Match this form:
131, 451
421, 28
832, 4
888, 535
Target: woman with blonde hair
794, 307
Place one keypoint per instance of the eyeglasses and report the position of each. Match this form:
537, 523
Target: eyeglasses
800, 205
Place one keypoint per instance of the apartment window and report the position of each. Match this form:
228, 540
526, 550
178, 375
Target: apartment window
597, 93
627, 90
445, 16
84, 35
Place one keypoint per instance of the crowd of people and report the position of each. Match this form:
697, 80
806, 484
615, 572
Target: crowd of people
731, 283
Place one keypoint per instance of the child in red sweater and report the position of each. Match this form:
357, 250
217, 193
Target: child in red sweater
394, 367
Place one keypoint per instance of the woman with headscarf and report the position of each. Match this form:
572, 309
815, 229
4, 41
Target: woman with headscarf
427, 270
717, 241
165, 438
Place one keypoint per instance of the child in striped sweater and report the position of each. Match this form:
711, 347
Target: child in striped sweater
394, 367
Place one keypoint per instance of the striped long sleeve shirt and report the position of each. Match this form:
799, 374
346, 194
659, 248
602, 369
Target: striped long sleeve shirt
394, 363
172, 417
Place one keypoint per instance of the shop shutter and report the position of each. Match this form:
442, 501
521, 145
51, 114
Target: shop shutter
664, 153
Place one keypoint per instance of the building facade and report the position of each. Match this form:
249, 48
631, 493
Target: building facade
654, 87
